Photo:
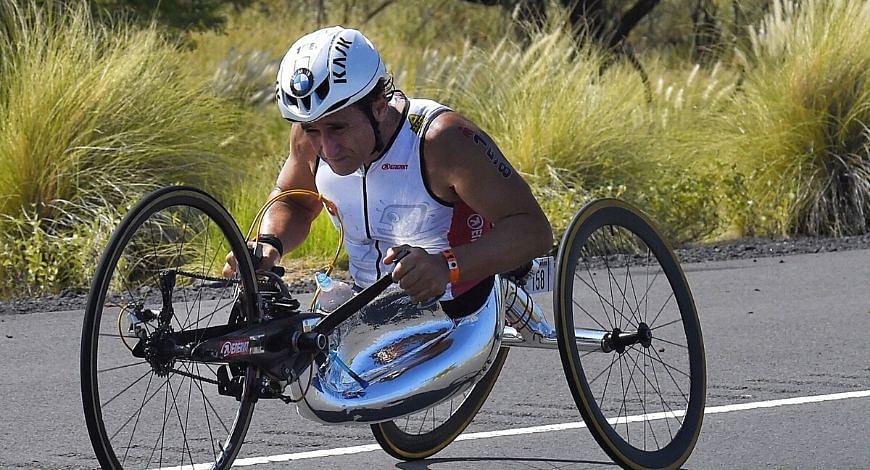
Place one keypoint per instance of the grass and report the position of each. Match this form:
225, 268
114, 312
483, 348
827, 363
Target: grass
800, 125
93, 117
771, 140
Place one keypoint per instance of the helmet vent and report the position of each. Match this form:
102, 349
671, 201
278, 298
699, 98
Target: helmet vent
337, 105
322, 90
306, 102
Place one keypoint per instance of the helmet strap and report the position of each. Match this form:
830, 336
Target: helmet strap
379, 143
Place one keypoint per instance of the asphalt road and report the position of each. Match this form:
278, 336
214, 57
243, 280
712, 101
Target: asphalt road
774, 329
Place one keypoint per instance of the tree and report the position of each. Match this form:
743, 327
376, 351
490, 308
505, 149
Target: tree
607, 23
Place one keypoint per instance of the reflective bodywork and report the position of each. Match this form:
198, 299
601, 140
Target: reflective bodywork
394, 358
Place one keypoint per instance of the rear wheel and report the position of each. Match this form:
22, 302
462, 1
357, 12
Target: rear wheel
643, 399
157, 410
425, 433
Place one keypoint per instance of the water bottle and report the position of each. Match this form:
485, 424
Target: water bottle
333, 293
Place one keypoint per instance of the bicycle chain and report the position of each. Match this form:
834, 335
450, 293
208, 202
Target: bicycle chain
203, 277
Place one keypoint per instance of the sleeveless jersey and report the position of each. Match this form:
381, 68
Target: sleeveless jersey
389, 203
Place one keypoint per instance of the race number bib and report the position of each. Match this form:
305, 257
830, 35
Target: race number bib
541, 280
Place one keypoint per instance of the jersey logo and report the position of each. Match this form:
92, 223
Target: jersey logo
416, 121
399, 220
390, 166
475, 223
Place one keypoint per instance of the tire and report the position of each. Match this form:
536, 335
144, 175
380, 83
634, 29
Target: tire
655, 400
405, 440
179, 418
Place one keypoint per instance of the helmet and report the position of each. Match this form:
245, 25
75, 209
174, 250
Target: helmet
326, 71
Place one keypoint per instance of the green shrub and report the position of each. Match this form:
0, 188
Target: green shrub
93, 117
800, 125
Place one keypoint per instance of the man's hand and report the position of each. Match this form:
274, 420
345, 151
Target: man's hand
422, 275
270, 258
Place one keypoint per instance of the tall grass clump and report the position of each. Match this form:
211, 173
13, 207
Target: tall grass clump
92, 117
687, 104
800, 126
576, 128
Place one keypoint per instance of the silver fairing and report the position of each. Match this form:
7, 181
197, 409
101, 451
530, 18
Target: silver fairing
405, 359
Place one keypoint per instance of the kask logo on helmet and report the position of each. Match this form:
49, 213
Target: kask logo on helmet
342, 46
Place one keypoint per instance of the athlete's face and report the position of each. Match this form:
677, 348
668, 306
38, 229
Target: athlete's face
345, 139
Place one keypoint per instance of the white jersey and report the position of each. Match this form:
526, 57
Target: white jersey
389, 203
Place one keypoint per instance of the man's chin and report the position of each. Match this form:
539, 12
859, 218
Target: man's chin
342, 167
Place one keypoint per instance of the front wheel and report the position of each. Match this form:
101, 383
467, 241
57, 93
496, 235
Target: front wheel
421, 435
642, 395
150, 408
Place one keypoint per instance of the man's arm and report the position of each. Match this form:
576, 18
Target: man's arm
289, 219
463, 163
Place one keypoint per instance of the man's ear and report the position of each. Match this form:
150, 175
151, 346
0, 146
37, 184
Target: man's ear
379, 108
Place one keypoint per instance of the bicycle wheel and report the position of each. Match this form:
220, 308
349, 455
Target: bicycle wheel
642, 399
425, 433
151, 412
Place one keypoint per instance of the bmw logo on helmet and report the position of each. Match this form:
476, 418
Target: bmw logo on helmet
301, 82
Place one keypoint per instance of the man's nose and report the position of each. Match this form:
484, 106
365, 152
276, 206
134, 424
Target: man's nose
329, 147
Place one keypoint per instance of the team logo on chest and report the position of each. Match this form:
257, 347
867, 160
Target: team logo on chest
394, 166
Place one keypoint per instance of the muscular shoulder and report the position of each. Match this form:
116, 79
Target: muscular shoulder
457, 147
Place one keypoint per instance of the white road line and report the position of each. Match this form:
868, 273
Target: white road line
539, 429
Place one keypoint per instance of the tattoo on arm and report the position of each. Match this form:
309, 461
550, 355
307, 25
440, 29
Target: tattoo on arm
498, 161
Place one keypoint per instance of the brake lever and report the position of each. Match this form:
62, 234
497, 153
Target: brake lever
355, 303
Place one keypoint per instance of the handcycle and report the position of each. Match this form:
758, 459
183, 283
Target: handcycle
174, 358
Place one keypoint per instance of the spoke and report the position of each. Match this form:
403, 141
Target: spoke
103, 405
660, 361
194, 376
159, 439
602, 300
657, 389
645, 298
217, 308
207, 420
180, 424
662, 309
588, 315
217, 415
423, 421
594, 288
671, 342
623, 305
609, 276
633, 293
668, 323
662, 400
622, 408
643, 404
602, 372
668, 368
134, 413
100, 371
587, 353
136, 424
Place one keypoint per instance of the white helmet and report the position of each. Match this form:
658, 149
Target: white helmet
325, 71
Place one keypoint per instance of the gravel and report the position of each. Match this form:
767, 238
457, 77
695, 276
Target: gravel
748, 248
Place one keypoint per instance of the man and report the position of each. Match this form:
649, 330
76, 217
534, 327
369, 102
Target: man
405, 174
